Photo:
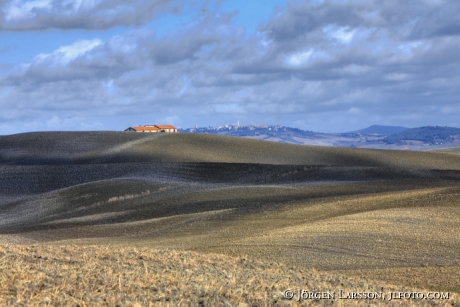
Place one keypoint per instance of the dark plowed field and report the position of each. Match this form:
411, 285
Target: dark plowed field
330, 208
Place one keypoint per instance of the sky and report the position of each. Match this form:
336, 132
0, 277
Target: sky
318, 65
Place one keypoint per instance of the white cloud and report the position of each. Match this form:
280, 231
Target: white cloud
18, 10
306, 57
300, 58
342, 34
65, 54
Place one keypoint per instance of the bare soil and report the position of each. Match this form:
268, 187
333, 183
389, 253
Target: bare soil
388, 216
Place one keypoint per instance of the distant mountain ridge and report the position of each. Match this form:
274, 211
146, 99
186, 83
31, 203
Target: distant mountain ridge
427, 135
253, 130
375, 136
383, 130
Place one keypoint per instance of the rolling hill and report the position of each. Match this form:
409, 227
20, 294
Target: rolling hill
428, 135
77, 148
391, 215
383, 130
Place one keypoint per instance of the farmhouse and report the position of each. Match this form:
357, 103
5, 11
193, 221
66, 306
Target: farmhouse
152, 128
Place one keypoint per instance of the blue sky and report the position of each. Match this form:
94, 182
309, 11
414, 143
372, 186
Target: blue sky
321, 65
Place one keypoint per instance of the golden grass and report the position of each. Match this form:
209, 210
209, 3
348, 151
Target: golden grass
68, 275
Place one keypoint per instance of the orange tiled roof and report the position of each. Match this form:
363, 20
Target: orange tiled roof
165, 126
145, 128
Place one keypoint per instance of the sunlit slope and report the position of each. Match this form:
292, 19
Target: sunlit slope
213, 148
346, 226
118, 147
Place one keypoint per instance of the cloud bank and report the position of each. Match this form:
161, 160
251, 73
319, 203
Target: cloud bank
21, 15
317, 65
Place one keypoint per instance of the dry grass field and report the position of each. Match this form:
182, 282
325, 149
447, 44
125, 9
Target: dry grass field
455, 150
69, 275
326, 217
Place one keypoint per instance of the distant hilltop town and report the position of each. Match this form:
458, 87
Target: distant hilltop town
152, 128
240, 127
380, 137
250, 130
